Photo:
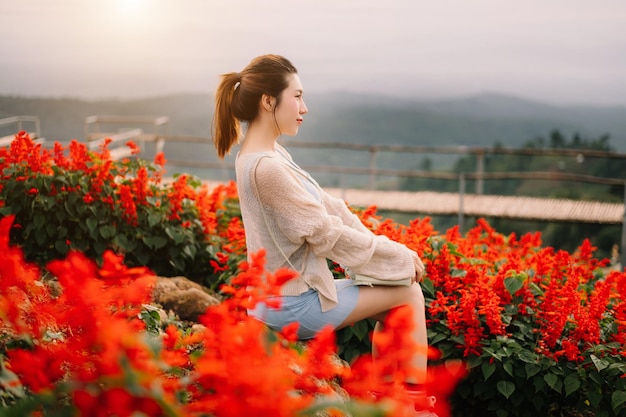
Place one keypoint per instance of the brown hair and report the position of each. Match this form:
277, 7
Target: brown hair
238, 95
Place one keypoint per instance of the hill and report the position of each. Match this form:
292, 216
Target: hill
481, 120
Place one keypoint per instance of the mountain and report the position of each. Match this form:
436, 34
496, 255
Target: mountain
480, 120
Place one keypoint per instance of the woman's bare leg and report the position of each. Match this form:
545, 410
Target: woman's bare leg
376, 302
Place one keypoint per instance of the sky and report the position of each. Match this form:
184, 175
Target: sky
555, 51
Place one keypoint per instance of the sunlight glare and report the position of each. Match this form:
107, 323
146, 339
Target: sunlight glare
130, 6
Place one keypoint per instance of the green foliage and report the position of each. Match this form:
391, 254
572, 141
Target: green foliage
355, 340
59, 211
508, 378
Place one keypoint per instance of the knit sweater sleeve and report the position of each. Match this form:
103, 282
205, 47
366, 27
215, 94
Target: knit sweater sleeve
302, 218
339, 208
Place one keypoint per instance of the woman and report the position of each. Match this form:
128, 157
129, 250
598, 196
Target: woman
301, 226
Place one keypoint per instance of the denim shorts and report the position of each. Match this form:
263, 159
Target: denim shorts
307, 310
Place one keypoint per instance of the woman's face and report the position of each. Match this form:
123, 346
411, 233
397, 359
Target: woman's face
289, 112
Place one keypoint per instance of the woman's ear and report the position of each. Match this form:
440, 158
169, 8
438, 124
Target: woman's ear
268, 102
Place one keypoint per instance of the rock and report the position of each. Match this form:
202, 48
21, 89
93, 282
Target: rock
187, 299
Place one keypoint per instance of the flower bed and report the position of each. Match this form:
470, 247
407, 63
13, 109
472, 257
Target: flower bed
541, 331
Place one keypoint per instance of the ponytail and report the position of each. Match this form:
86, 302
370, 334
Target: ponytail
227, 128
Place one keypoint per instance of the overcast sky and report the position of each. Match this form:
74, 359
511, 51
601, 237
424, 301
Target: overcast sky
558, 51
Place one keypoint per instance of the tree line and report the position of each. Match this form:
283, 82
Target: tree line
565, 236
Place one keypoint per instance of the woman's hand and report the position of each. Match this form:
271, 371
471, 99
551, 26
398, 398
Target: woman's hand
419, 268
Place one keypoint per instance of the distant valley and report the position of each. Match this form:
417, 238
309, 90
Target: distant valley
480, 120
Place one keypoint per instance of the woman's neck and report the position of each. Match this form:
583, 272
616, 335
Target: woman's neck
259, 137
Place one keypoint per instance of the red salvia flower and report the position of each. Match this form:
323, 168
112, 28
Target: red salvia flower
134, 148
127, 204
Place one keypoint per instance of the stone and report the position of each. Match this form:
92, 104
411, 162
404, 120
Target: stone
186, 299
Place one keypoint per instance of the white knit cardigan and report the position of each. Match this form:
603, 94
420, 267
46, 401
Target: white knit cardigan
310, 226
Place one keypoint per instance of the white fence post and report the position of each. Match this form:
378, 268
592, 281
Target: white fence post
461, 196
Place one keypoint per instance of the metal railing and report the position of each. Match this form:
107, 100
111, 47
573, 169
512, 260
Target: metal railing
374, 172
20, 122
478, 152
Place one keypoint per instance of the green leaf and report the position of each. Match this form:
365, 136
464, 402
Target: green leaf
596, 377
459, 339
51, 229
154, 219
177, 235
40, 238
39, 220
428, 287
511, 348
618, 398
488, 369
92, 223
473, 361
496, 354
73, 198
531, 369
130, 244
551, 380
10, 382
360, 329
190, 251
508, 367
535, 289
554, 382
599, 363
594, 397
154, 242
107, 231
458, 273
571, 384
99, 247
177, 263
69, 208
437, 338
61, 247
48, 202
506, 388
60, 215
121, 241
528, 357
80, 209
513, 284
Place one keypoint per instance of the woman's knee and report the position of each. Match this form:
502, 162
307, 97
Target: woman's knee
416, 296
